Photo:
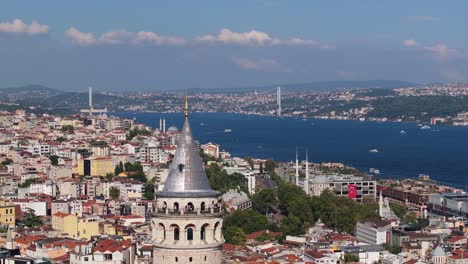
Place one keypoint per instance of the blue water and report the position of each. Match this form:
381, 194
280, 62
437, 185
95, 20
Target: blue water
441, 152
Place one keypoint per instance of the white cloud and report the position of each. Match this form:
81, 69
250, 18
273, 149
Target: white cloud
17, 26
260, 64
442, 51
423, 18
256, 38
80, 38
227, 36
410, 43
122, 37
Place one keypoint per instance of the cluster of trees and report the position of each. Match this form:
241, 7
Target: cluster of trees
418, 107
222, 182
30, 219
135, 132
69, 129
135, 171
298, 211
54, 160
27, 183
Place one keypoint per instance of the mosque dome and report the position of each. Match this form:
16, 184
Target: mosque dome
320, 179
172, 129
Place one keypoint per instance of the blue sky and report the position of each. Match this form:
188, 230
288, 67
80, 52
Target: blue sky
125, 45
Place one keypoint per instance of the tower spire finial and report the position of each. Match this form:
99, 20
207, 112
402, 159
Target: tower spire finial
186, 111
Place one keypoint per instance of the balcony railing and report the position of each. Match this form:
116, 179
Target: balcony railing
186, 212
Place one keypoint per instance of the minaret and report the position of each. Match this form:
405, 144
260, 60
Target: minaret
160, 124
9, 239
187, 222
381, 203
306, 181
164, 125
297, 168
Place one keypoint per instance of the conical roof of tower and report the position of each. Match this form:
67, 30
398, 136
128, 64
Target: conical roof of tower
187, 176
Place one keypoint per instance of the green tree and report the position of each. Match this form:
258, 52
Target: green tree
270, 165
54, 160
292, 225
119, 169
114, 192
411, 218
60, 139
139, 176
149, 191
263, 200
27, 183
69, 129
398, 209
109, 176
350, 258
234, 235
7, 161
249, 220
30, 219
135, 132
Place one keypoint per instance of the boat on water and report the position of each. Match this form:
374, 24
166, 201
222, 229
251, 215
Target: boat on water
375, 171
227, 130
425, 127
402, 132
373, 150
424, 177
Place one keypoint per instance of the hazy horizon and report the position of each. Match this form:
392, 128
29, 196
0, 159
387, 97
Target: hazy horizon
155, 45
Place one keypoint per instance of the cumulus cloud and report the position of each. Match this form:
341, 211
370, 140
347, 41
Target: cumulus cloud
79, 37
440, 51
122, 37
17, 26
227, 36
256, 38
410, 43
259, 64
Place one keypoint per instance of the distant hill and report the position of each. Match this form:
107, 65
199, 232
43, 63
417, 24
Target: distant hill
27, 92
322, 86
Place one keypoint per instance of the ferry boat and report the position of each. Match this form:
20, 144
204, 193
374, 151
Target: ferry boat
373, 150
375, 171
424, 177
227, 130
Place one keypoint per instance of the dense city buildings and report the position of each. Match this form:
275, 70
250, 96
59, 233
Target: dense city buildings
102, 189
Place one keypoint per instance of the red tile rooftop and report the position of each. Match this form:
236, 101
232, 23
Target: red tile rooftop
456, 239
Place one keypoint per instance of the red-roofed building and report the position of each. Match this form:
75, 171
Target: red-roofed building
457, 242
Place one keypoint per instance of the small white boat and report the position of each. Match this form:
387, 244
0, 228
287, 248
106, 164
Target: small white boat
375, 171
425, 127
227, 130
402, 132
373, 150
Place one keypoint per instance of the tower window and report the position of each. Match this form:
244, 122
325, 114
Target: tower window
190, 234
181, 167
190, 259
176, 233
205, 258
176, 259
203, 233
